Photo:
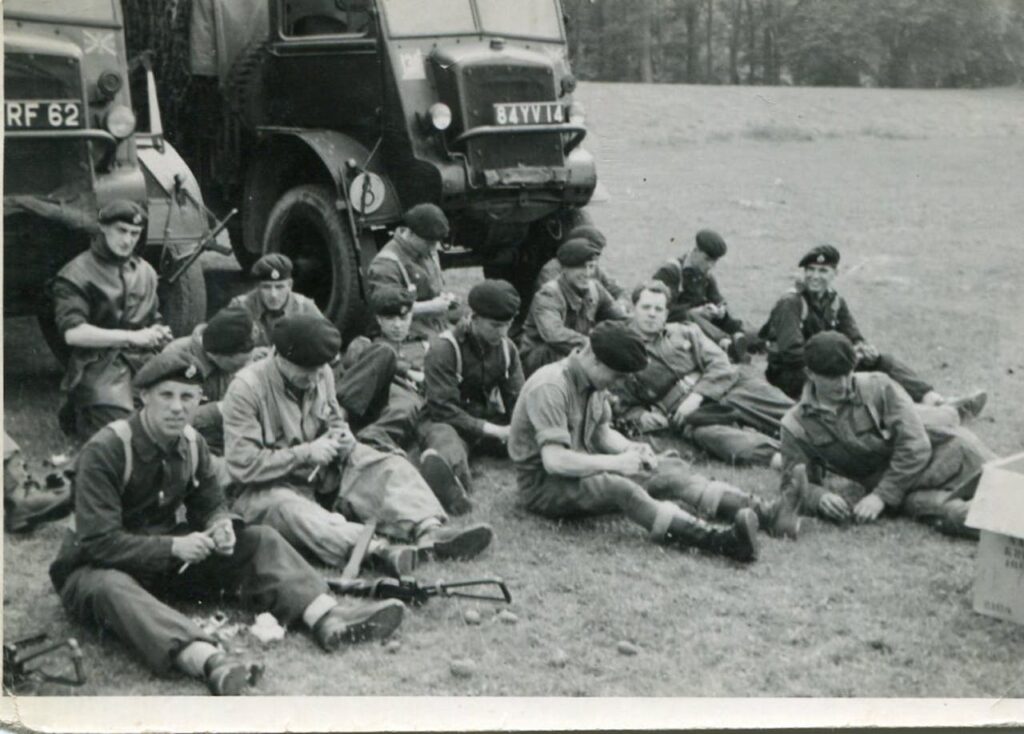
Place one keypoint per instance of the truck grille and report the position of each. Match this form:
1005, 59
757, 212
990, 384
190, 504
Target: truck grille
39, 76
480, 86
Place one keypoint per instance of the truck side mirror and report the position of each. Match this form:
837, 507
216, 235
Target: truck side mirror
156, 125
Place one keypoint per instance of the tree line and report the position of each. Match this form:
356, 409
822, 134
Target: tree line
888, 43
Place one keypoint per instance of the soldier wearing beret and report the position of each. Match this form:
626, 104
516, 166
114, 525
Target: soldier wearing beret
570, 462
105, 305
696, 297
815, 306
564, 310
409, 261
219, 348
552, 268
289, 447
151, 523
863, 426
381, 386
473, 378
690, 389
273, 298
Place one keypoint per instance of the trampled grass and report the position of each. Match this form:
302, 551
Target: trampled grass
921, 191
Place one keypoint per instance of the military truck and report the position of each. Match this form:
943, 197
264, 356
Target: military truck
341, 114
72, 144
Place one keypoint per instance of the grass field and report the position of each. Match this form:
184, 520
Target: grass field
922, 193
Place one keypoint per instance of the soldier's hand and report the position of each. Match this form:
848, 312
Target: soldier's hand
324, 449
834, 507
648, 459
652, 420
866, 352
192, 548
499, 432
223, 534
629, 463
869, 508
416, 375
346, 442
688, 406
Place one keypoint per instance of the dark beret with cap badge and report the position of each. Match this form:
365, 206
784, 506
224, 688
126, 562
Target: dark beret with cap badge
618, 346
173, 366
494, 299
273, 266
123, 210
821, 255
307, 340
830, 353
577, 252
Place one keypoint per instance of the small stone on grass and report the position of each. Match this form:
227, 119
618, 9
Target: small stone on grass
627, 648
559, 659
472, 616
507, 617
463, 668
392, 647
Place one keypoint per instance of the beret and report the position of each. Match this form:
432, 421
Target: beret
122, 210
169, 365
494, 299
821, 255
391, 301
229, 332
273, 266
588, 232
829, 353
618, 346
577, 252
308, 340
711, 244
427, 221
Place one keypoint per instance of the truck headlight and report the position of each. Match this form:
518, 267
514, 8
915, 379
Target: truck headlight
577, 115
109, 84
120, 122
440, 116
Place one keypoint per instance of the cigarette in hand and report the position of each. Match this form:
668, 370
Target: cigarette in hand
312, 474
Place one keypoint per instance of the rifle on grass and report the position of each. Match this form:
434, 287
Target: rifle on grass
414, 592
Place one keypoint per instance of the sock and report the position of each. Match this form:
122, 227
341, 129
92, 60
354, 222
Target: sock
317, 609
427, 526
192, 659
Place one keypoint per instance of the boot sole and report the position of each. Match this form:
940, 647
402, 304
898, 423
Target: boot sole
378, 625
470, 543
237, 679
444, 484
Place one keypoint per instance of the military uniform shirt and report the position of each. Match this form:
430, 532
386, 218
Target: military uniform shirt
405, 266
552, 269
563, 318
264, 320
788, 328
690, 286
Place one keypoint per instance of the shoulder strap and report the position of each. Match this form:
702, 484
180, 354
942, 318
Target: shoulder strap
387, 254
506, 352
124, 432
449, 337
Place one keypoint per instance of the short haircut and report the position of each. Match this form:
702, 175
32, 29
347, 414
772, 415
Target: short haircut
655, 286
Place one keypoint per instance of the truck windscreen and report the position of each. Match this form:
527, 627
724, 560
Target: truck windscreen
429, 17
530, 18
61, 10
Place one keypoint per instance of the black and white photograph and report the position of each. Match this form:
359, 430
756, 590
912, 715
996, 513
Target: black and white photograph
606, 352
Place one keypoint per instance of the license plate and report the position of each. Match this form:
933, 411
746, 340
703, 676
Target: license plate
528, 113
42, 114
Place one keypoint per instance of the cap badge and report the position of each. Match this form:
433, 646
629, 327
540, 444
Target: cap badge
137, 219
821, 258
275, 274
190, 371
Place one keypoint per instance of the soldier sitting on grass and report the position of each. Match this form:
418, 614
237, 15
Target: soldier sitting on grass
690, 389
289, 447
863, 426
571, 463
273, 298
815, 306
566, 309
553, 268
151, 521
695, 295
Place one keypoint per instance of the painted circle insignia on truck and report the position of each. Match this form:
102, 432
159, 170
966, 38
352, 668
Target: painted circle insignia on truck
367, 193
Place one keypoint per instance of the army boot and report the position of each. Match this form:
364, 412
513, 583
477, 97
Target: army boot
371, 620
780, 518
443, 482
738, 542
393, 560
229, 675
969, 407
454, 543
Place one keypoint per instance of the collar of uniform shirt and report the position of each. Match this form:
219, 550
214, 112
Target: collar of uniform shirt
810, 403
574, 297
145, 446
574, 371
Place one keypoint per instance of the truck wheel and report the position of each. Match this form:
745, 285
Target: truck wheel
183, 304
54, 338
245, 258
305, 225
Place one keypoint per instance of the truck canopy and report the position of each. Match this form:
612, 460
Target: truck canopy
221, 29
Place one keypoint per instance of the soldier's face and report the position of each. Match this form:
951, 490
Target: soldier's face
490, 331
395, 328
579, 277
121, 237
650, 312
274, 293
170, 406
830, 389
818, 278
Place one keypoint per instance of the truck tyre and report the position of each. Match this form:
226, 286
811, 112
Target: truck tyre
245, 258
183, 304
305, 225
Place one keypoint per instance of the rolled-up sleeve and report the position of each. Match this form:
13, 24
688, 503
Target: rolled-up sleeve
546, 408
70, 306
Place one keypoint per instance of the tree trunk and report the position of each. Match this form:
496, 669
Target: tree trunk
646, 42
690, 18
751, 44
709, 70
735, 30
